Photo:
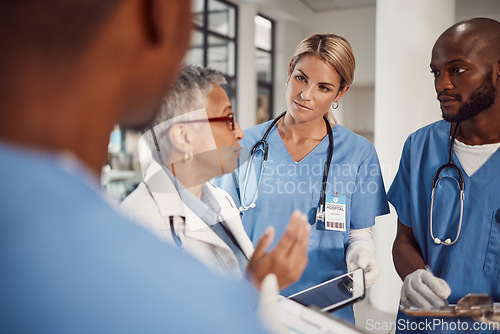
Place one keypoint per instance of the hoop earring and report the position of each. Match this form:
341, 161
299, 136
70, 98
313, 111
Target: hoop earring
335, 104
188, 157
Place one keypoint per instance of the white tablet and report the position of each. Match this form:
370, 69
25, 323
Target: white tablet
335, 293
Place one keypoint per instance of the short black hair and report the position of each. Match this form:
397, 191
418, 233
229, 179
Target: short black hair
59, 29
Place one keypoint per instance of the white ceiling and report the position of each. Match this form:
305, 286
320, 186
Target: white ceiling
319, 6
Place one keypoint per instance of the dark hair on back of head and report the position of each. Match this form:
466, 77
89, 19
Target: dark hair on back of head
58, 29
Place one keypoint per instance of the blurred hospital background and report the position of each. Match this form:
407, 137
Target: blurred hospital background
251, 41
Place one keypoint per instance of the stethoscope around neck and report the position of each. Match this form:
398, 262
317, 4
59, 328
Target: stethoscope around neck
263, 146
461, 185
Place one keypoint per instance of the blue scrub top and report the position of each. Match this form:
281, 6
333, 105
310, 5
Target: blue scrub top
288, 185
70, 263
472, 265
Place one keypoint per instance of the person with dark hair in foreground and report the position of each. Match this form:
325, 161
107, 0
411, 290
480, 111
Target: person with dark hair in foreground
70, 70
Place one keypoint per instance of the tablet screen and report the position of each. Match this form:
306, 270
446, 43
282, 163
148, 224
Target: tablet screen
333, 293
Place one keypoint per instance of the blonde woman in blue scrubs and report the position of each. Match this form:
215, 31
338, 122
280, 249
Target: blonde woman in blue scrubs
320, 73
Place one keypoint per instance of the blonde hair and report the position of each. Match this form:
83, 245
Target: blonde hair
333, 49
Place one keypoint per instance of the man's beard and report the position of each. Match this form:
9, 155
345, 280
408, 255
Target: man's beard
479, 100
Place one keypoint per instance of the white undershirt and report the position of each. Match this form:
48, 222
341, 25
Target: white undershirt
472, 157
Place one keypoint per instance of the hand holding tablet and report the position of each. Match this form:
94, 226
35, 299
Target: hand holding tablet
335, 293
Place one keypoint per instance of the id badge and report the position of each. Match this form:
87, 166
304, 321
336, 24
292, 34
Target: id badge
335, 212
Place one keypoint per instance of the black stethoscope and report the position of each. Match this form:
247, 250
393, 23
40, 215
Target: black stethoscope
461, 185
263, 147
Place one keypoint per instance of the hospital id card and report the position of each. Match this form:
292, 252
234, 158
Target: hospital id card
335, 212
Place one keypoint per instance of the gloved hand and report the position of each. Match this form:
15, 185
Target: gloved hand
362, 258
268, 305
424, 290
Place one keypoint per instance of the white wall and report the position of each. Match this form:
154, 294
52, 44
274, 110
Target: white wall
246, 86
466, 9
357, 110
290, 34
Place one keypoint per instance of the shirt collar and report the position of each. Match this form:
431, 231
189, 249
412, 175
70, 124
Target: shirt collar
206, 207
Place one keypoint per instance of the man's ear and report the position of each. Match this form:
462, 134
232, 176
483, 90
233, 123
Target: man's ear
154, 20
151, 20
155, 35
496, 72
162, 20
181, 138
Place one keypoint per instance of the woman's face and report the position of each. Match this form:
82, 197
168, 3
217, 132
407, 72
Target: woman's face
312, 87
225, 158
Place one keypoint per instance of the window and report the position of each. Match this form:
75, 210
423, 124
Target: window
122, 172
213, 42
264, 63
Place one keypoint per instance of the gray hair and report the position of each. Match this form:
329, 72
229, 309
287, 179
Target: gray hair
188, 93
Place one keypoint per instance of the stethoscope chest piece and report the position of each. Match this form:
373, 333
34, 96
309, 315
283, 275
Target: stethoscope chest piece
320, 214
438, 241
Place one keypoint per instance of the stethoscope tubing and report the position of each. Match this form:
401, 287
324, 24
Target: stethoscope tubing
461, 185
265, 151
263, 142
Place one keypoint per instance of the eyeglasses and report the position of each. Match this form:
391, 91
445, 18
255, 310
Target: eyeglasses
229, 119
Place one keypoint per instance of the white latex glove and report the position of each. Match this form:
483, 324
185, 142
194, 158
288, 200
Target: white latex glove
362, 258
268, 304
424, 290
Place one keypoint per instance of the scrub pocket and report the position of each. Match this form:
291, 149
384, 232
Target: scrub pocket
492, 262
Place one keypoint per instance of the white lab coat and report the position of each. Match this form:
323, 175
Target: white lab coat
156, 199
